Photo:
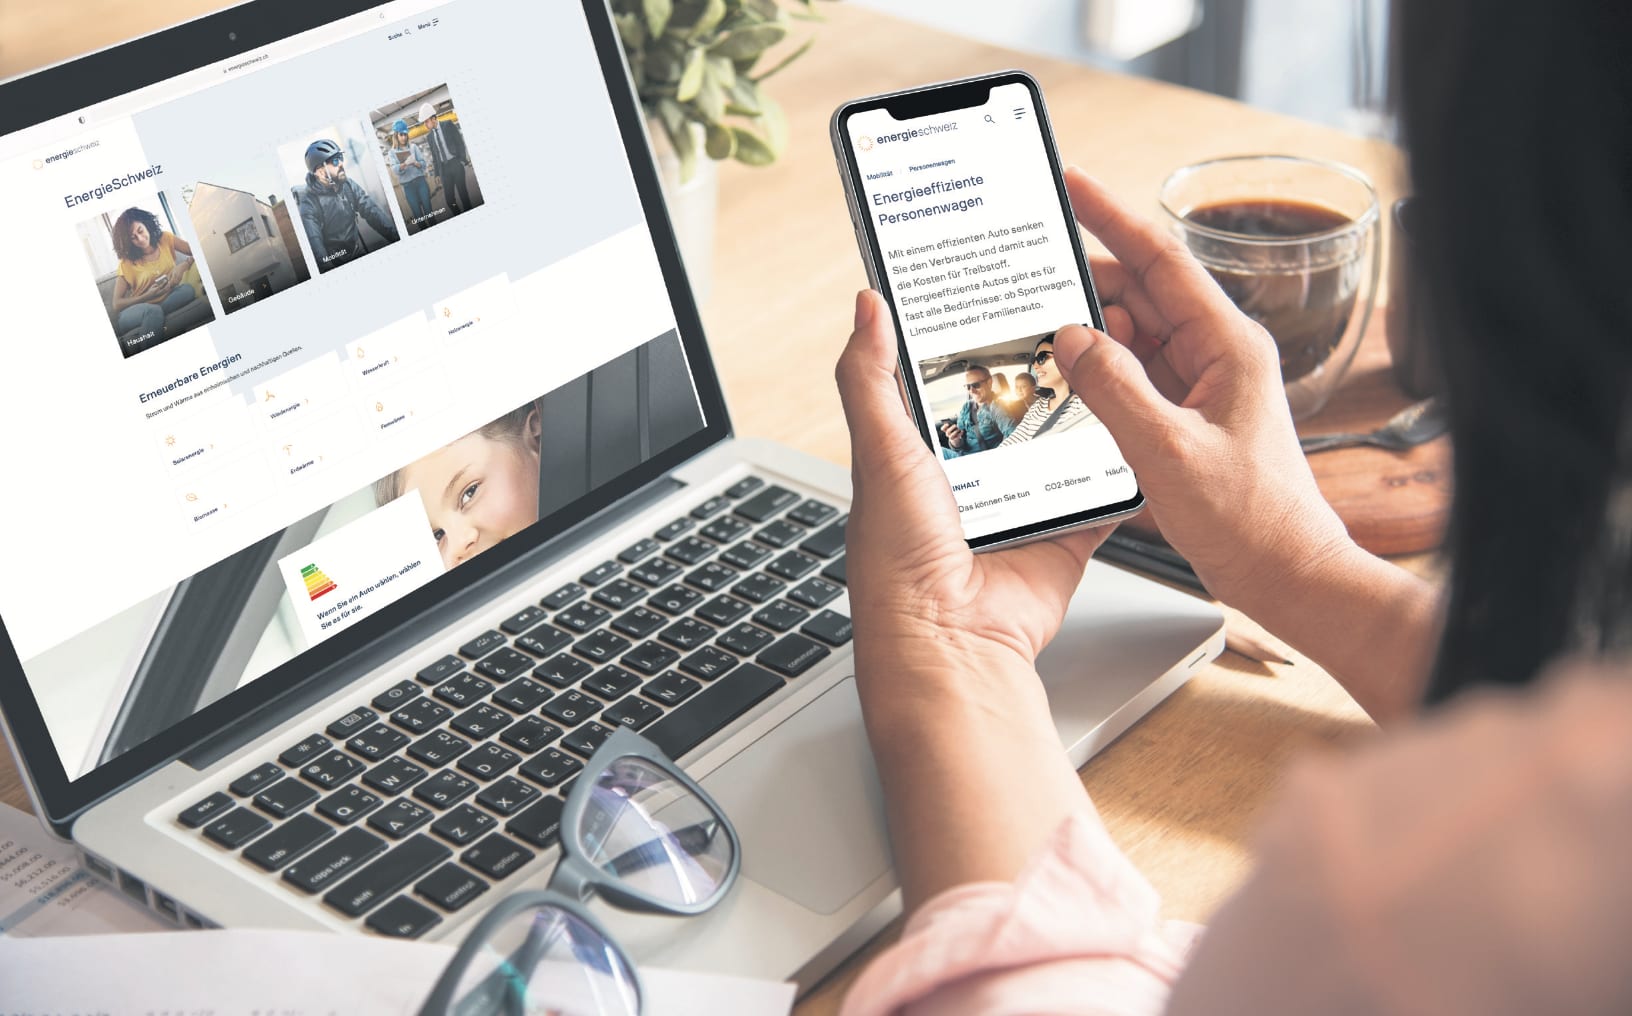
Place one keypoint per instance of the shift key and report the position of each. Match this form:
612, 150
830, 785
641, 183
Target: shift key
322, 867
382, 879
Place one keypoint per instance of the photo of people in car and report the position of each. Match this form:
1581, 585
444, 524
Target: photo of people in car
998, 396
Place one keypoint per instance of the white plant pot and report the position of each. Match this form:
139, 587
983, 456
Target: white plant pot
692, 208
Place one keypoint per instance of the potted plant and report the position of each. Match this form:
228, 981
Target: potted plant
694, 67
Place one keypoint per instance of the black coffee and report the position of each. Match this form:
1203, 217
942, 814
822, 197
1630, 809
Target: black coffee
1302, 295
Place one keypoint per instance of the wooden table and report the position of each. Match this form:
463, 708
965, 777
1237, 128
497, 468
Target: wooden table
1180, 792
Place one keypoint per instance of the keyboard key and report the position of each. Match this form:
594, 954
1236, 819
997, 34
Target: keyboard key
441, 670
712, 709
527, 617
402, 918
600, 573
812, 513
399, 818
563, 596
687, 634
370, 886
826, 542
323, 867
377, 742
237, 827
831, 627
745, 640
332, 769
745, 555
421, 715
211, 807
639, 623
539, 825
712, 577
793, 565
503, 664
285, 797
766, 503
586, 739
691, 550
481, 720
632, 712
814, 592
394, 775
571, 708
445, 789
780, 534
463, 690
758, 588
725, 529
489, 761
507, 795
710, 508
835, 572
481, 645
673, 529
549, 767
287, 842
743, 487
544, 640
347, 805
581, 617
307, 748
463, 824
262, 776
529, 734
655, 572
674, 599
601, 646
619, 593
643, 548
394, 697
793, 655
438, 748
610, 683
354, 721
522, 696
671, 689
562, 671
709, 663
497, 856
722, 610
649, 658
450, 887
780, 616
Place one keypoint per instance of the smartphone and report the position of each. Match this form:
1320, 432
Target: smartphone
960, 210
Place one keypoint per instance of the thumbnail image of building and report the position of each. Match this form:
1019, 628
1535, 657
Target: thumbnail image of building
248, 243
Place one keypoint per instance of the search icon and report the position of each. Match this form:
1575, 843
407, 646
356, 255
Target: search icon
988, 119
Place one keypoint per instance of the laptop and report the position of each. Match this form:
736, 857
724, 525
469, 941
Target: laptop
376, 467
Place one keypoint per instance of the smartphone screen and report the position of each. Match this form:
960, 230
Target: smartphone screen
959, 197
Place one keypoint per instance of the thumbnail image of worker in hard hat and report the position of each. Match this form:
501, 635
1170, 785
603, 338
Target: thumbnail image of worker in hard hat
343, 219
423, 143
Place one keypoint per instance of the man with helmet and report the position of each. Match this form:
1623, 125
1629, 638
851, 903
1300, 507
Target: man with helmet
331, 205
447, 144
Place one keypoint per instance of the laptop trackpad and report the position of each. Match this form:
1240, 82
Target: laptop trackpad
807, 805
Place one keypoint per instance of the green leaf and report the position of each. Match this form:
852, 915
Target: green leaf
723, 71
751, 149
658, 13
775, 124
721, 142
691, 79
672, 114
631, 31
790, 58
745, 97
685, 146
711, 101
746, 43
709, 20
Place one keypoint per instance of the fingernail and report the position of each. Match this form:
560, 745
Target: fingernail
864, 310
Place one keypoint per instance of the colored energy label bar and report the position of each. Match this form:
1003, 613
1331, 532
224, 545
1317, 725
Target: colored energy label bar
317, 583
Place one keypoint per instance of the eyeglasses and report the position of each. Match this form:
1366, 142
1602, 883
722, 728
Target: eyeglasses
336, 159
1042, 356
638, 832
977, 385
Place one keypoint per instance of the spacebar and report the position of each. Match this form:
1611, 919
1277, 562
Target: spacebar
725, 700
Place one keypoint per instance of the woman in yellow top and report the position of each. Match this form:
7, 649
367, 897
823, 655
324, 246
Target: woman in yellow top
157, 274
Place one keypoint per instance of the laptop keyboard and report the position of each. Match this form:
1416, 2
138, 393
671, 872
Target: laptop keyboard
450, 780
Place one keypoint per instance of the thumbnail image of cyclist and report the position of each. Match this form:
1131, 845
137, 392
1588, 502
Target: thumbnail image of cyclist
983, 423
479, 490
447, 146
408, 160
157, 275
1057, 407
330, 206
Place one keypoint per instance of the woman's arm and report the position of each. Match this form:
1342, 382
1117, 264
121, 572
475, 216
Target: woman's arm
180, 245
123, 296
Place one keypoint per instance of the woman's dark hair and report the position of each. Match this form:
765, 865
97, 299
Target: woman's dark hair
1518, 123
122, 244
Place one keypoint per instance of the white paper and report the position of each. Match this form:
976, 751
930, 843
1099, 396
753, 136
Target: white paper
44, 891
278, 973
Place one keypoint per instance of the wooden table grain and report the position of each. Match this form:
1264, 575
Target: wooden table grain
1180, 791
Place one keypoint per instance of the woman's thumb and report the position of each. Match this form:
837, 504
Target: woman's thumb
1113, 383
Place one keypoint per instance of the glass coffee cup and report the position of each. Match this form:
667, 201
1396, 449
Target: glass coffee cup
1294, 243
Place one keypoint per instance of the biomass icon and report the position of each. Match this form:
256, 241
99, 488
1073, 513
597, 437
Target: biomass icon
317, 583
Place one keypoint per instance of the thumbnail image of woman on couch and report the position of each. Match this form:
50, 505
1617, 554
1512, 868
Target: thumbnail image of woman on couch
158, 275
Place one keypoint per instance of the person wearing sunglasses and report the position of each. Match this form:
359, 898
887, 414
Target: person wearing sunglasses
1056, 408
331, 205
982, 422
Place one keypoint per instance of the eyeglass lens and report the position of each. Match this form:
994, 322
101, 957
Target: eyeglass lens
1042, 356
545, 960
650, 832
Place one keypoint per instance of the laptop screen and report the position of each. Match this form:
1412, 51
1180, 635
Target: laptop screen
298, 333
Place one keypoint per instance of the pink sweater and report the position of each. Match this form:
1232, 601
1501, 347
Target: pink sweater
1478, 863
